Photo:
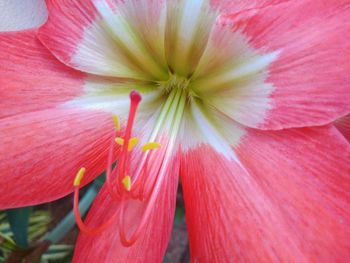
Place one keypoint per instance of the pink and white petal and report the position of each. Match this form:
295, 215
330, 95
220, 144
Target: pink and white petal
205, 126
19, 15
231, 76
153, 239
287, 200
42, 151
31, 79
75, 34
343, 125
138, 29
310, 76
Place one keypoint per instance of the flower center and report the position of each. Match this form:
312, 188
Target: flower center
162, 46
194, 73
176, 82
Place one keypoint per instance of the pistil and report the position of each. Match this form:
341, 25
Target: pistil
145, 183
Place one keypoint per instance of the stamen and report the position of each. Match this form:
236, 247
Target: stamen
82, 226
122, 180
79, 176
119, 141
150, 146
127, 183
132, 142
116, 122
127, 242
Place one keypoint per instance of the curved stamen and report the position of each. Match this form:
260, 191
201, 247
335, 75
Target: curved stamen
130, 241
82, 226
151, 198
126, 187
124, 240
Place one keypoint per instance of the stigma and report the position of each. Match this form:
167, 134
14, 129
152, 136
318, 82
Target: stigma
120, 184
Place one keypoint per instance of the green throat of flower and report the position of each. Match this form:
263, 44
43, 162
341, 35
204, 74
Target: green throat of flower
192, 72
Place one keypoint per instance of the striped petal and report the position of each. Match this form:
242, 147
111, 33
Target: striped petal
97, 38
231, 76
42, 151
310, 75
31, 79
286, 198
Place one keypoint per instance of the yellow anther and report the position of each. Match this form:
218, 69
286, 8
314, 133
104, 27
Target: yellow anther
119, 141
150, 146
132, 142
127, 182
79, 176
116, 122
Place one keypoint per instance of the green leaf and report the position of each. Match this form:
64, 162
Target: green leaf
19, 219
58, 253
6, 242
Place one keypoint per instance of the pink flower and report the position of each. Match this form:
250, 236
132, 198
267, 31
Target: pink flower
239, 94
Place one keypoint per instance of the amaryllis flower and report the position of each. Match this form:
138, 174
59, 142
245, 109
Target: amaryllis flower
238, 97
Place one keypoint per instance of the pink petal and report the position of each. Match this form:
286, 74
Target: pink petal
152, 242
288, 200
19, 15
31, 79
343, 125
310, 76
42, 151
229, 6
